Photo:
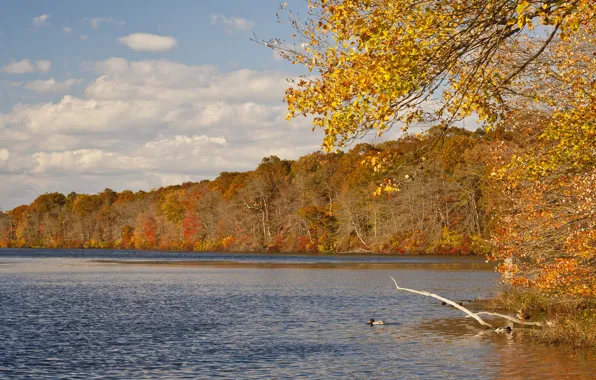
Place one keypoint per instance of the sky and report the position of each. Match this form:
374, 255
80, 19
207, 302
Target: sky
139, 94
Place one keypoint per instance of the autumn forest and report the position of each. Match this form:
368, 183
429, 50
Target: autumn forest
318, 203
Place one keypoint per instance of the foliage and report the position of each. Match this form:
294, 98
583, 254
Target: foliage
548, 219
319, 203
571, 319
376, 64
383, 62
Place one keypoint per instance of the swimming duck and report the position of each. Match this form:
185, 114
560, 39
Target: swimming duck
373, 322
503, 330
445, 303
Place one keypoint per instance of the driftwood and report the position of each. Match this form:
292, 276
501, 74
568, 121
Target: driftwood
468, 312
452, 303
510, 318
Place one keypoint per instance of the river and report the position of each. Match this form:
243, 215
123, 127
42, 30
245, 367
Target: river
84, 314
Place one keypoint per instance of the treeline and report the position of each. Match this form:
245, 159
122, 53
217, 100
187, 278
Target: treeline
318, 203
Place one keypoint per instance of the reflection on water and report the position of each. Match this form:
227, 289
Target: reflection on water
84, 320
514, 356
281, 258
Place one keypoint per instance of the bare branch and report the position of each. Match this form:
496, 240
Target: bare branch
452, 303
510, 318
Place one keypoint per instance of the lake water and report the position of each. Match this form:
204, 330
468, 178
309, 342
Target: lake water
64, 315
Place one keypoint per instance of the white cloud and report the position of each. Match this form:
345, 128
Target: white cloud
143, 124
25, 66
75, 115
52, 85
41, 20
157, 155
178, 141
96, 22
84, 37
17, 189
19, 67
4, 154
232, 24
77, 160
218, 113
148, 42
9, 137
150, 95
60, 142
43, 65
203, 156
167, 81
67, 29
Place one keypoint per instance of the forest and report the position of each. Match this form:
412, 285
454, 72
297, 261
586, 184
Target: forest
322, 202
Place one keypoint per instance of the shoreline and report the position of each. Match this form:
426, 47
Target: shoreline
269, 265
256, 253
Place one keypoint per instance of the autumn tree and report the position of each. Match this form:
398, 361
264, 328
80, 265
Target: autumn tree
6, 228
380, 63
376, 64
548, 224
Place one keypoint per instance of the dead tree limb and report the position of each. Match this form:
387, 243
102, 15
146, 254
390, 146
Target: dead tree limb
510, 318
468, 312
473, 315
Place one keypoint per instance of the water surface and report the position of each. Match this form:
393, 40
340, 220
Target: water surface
63, 315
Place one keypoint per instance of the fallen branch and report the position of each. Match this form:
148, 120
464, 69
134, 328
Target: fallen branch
512, 319
473, 315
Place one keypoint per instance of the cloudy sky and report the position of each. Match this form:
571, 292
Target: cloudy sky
139, 94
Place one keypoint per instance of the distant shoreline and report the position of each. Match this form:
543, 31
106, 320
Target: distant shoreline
340, 265
314, 254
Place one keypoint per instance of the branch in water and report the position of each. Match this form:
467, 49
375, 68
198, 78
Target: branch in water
476, 317
512, 319
471, 314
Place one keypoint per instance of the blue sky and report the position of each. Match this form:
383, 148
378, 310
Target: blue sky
189, 22
139, 94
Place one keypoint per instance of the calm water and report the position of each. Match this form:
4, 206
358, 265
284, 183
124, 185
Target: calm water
62, 316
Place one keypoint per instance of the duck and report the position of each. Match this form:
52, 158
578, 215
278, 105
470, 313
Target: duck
373, 322
445, 303
522, 315
503, 330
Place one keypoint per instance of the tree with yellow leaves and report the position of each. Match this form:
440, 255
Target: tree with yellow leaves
549, 221
377, 64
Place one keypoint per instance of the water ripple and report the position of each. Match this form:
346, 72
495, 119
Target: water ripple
87, 322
